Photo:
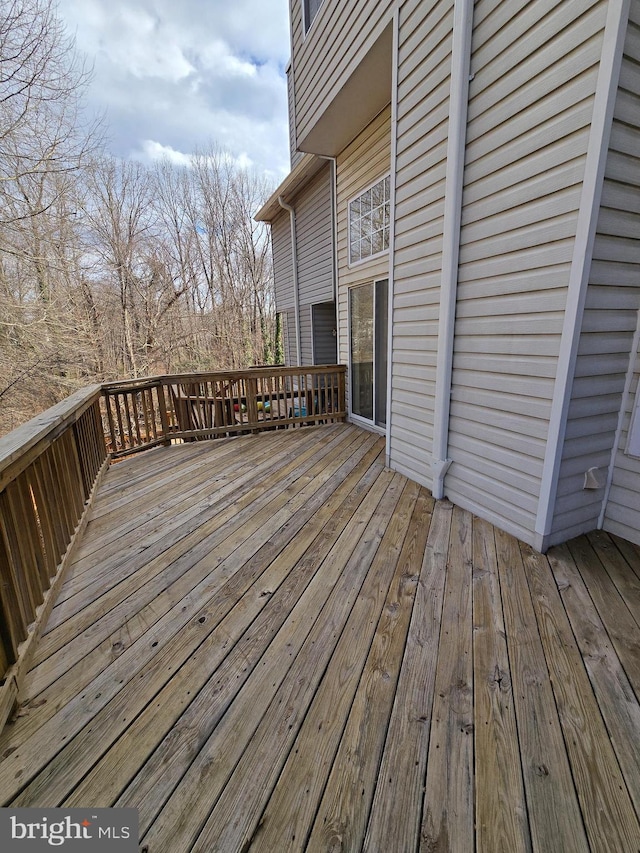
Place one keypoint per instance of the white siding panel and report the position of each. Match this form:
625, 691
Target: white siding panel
609, 323
424, 69
282, 261
314, 228
334, 45
622, 514
365, 160
295, 156
306, 353
530, 106
289, 339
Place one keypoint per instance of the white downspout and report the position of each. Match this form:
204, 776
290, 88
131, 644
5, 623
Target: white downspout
392, 227
296, 294
460, 65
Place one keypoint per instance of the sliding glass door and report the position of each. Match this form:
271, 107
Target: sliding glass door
368, 350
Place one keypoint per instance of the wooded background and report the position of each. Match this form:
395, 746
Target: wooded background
108, 268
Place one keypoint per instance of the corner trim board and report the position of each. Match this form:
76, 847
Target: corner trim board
594, 168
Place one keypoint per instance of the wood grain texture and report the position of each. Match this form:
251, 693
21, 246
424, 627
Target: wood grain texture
501, 810
318, 657
448, 814
290, 813
616, 616
555, 820
617, 702
404, 759
253, 761
198, 583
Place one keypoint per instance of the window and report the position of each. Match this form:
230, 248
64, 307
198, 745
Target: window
368, 350
369, 222
310, 11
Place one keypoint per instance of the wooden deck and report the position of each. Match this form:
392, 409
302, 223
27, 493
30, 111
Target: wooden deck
273, 643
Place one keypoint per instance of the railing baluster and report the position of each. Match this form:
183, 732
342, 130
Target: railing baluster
121, 433
208, 405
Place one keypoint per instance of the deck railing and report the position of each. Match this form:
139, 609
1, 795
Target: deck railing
184, 407
48, 470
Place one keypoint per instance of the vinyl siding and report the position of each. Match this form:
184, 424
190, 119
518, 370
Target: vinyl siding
295, 156
314, 235
534, 67
289, 338
615, 284
282, 261
324, 59
424, 69
314, 230
359, 165
305, 334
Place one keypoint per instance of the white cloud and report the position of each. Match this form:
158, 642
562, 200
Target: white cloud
153, 151
217, 58
177, 76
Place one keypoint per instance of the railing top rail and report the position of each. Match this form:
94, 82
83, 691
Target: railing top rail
19, 447
178, 378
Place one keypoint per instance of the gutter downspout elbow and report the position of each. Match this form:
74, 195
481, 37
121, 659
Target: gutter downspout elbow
296, 290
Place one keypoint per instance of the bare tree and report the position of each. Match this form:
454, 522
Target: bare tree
43, 143
42, 81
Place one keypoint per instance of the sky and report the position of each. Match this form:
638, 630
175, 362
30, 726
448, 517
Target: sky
172, 76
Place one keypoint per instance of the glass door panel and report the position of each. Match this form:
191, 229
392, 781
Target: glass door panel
361, 335
368, 350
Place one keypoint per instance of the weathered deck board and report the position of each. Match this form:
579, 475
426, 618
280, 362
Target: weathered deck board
607, 810
501, 810
404, 759
616, 616
273, 643
555, 820
448, 798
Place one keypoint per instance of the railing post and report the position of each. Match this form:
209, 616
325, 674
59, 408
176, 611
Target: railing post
162, 407
252, 402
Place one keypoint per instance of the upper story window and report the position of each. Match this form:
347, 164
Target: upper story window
369, 221
310, 11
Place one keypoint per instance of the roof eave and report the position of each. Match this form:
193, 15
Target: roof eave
303, 172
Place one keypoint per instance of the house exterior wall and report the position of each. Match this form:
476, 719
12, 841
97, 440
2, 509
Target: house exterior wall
359, 165
612, 316
622, 514
288, 337
332, 48
535, 68
313, 208
536, 80
295, 156
422, 123
314, 228
282, 261
306, 350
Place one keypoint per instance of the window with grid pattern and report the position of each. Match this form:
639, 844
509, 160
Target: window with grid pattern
369, 221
